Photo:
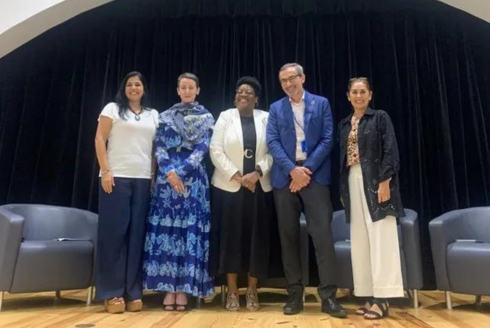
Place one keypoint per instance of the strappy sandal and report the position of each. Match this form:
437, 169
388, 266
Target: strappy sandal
363, 310
170, 306
374, 315
232, 302
181, 307
252, 300
114, 305
134, 306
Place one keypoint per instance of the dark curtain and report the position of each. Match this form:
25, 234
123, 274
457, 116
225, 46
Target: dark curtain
428, 64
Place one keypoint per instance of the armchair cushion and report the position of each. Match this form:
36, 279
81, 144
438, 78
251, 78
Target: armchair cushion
31, 257
53, 265
469, 223
468, 266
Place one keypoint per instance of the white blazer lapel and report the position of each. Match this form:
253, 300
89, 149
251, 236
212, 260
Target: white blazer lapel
237, 126
259, 129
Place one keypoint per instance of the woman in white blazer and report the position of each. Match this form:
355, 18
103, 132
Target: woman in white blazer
242, 205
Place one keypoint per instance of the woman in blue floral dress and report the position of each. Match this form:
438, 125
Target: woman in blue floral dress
177, 239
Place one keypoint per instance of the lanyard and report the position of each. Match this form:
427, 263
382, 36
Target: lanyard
296, 121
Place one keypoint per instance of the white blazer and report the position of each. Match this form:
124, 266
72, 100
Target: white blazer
226, 150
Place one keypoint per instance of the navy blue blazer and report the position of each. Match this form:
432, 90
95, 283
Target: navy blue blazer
281, 139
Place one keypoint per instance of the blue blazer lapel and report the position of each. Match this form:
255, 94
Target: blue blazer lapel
287, 112
309, 106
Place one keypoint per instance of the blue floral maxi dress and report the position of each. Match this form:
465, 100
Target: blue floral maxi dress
177, 239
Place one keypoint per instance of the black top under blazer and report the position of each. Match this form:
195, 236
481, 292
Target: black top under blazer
379, 159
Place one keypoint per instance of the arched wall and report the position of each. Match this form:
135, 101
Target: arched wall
23, 20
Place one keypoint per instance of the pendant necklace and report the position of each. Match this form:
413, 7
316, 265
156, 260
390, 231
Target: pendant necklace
137, 115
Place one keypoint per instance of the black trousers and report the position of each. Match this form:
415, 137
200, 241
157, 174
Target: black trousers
314, 201
121, 234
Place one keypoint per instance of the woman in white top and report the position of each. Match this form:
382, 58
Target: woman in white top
243, 206
124, 143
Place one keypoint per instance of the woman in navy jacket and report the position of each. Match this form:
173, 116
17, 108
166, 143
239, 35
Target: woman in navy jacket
369, 165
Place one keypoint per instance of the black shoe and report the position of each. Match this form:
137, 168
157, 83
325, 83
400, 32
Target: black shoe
294, 305
331, 306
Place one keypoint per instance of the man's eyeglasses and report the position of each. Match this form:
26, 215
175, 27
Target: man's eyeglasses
289, 79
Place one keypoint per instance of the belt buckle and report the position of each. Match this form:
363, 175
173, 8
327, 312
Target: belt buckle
248, 153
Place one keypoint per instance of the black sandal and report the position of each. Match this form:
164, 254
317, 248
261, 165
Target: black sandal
181, 307
363, 309
171, 306
383, 305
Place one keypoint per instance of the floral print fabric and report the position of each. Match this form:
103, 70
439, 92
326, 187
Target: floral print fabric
177, 239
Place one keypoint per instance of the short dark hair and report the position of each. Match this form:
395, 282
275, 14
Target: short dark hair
189, 76
252, 82
364, 80
122, 100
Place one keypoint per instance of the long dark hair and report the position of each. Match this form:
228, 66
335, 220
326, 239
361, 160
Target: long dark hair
122, 101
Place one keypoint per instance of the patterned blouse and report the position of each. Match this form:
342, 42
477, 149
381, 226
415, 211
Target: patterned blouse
352, 145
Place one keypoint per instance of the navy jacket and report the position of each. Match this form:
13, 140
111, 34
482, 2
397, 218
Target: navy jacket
380, 161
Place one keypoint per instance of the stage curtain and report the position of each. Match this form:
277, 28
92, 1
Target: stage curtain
428, 64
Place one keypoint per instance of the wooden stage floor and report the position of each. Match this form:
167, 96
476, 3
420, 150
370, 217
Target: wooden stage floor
43, 310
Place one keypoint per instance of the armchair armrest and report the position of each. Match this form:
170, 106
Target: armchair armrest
11, 226
444, 230
411, 248
340, 227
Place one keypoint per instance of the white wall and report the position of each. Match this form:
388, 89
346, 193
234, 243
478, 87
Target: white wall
23, 20
478, 8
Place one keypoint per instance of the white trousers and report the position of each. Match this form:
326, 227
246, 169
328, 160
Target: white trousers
375, 251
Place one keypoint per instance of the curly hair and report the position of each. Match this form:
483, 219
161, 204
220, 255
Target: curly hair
252, 82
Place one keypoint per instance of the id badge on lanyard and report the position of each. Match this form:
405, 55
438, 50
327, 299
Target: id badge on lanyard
304, 148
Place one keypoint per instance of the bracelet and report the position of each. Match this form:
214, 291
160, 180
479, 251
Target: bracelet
104, 172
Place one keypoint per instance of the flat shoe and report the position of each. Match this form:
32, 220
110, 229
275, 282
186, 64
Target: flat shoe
374, 315
363, 310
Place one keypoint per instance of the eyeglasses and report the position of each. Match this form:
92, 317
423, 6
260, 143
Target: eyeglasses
289, 79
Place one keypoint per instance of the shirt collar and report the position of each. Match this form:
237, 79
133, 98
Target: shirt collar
346, 120
302, 98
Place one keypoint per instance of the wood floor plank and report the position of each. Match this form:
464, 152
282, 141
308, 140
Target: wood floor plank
41, 310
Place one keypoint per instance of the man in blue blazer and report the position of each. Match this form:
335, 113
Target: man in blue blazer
300, 140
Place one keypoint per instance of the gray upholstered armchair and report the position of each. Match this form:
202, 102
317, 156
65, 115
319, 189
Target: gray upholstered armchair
411, 258
46, 248
460, 243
